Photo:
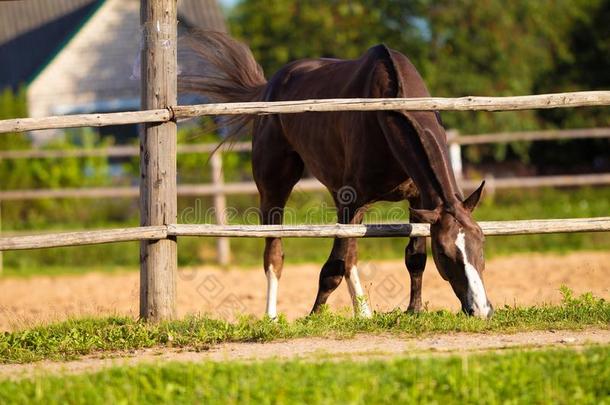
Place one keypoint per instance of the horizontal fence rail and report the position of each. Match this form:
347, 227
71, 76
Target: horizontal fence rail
249, 187
469, 103
119, 151
184, 190
490, 228
545, 135
85, 120
81, 238
540, 181
130, 151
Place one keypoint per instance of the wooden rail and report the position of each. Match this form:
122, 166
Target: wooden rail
548, 135
128, 150
81, 238
490, 228
249, 187
85, 120
540, 181
118, 151
469, 103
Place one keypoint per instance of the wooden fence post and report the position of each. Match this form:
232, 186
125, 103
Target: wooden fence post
158, 198
220, 207
455, 154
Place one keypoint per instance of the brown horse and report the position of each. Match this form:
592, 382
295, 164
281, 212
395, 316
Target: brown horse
361, 157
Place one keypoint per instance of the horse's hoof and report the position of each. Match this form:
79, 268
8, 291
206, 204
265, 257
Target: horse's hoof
364, 313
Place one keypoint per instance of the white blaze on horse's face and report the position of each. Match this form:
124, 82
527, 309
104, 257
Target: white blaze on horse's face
476, 298
457, 249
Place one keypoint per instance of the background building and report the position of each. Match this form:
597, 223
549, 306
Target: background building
79, 56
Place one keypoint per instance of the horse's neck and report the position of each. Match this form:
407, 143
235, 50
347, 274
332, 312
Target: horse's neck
440, 178
439, 187
430, 141
422, 154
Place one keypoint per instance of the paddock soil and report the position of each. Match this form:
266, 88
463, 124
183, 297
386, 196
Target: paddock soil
524, 279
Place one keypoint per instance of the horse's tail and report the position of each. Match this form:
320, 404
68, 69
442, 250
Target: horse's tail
221, 69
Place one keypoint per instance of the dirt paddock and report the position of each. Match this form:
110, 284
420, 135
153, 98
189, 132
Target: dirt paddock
524, 279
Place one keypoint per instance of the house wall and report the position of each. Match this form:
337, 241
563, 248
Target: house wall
30, 32
93, 71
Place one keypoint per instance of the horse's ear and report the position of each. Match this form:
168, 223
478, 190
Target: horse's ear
425, 216
471, 202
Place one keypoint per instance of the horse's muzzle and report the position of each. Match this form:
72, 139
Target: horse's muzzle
485, 313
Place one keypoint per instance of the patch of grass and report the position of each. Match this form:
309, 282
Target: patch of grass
551, 376
74, 338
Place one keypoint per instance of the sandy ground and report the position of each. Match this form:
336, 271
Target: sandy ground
519, 279
360, 348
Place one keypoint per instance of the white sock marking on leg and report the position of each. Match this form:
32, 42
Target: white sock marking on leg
475, 285
272, 285
361, 306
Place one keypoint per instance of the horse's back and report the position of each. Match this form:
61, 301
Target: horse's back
341, 147
343, 78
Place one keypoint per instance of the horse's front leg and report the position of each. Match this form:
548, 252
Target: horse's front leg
415, 260
361, 305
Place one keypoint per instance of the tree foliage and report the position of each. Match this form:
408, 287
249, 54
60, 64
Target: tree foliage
47, 173
466, 47
279, 31
13, 105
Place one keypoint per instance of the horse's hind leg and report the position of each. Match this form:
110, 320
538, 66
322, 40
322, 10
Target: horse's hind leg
361, 306
275, 176
415, 260
331, 274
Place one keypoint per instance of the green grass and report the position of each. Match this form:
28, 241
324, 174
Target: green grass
550, 376
74, 338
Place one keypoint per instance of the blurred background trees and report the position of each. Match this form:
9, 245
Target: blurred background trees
467, 47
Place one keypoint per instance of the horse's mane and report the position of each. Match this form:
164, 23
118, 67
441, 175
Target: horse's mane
221, 69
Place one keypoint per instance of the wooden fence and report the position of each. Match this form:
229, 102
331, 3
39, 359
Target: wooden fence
158, 190
219, 190
171, 113
490, 228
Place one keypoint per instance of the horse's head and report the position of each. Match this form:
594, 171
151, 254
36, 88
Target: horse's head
457, 248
